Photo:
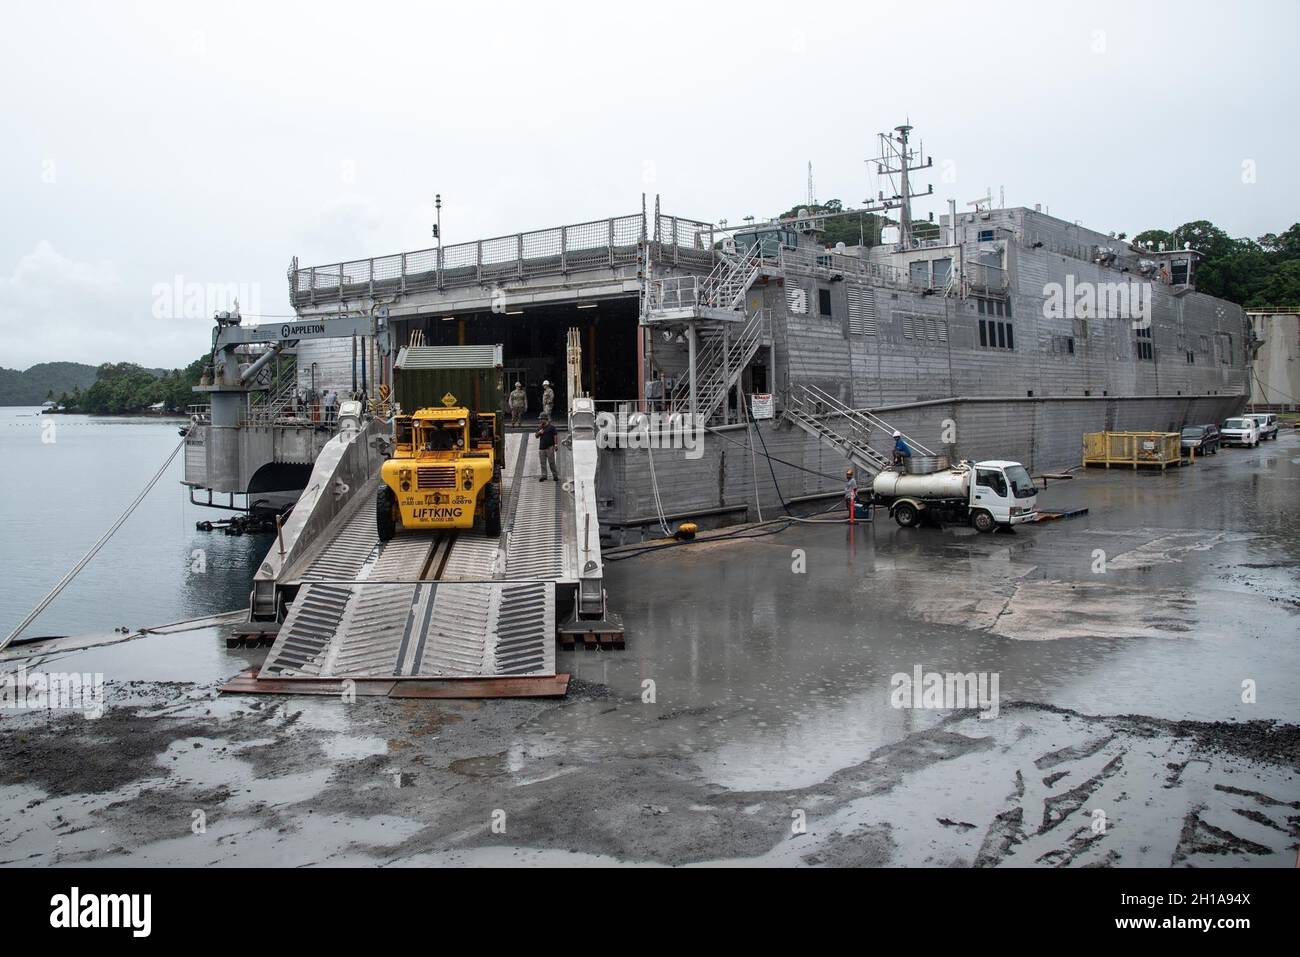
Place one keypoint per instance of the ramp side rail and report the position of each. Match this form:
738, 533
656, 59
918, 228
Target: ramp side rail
342, 471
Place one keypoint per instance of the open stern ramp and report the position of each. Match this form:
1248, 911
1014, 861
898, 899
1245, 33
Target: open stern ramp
435, 604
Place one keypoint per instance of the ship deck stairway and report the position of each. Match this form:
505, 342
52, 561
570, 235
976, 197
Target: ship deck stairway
719, 296
723, 356
848, 431
453, 604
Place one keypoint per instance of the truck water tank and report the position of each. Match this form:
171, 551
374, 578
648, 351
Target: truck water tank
925, 464
950, 483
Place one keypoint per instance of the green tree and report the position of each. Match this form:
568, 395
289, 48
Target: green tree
1249, 272
1154, 238
845, 228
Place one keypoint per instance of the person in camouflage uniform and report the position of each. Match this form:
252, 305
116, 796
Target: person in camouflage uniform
548, 398
518, 404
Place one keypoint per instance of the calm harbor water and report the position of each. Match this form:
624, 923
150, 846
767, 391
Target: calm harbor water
57, 497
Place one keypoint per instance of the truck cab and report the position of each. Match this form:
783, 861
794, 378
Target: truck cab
1004, 491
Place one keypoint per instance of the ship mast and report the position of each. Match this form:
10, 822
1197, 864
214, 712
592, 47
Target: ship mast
897, 158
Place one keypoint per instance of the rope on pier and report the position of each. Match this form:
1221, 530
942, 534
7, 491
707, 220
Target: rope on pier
76, 569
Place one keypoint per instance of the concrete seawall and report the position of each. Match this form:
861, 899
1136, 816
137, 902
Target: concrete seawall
727, 483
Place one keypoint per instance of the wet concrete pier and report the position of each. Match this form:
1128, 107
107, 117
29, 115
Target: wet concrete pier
1146, 667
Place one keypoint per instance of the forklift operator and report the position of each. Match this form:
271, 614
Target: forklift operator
439, 440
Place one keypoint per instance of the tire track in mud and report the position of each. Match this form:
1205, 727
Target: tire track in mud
1222, 828
655, 806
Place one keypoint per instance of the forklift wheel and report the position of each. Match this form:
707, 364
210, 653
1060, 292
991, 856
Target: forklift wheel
492, 512
385, 505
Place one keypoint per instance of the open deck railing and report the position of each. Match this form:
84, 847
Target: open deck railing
985, 277
828, 263
559, 250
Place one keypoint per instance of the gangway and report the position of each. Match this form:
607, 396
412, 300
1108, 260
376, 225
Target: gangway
847, 430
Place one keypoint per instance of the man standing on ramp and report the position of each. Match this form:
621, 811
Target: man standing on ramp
546, 440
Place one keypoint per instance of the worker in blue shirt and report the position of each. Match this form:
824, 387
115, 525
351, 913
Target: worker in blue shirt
901, 448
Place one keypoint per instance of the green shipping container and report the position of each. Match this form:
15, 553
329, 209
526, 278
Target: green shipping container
422, 375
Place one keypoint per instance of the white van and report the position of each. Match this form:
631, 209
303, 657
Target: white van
1267, 423
1241, 430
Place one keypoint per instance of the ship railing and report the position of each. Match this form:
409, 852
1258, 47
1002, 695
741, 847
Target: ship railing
674, 292
559, 250
853, 437
279, 400
814, 400
985, 277
827, 264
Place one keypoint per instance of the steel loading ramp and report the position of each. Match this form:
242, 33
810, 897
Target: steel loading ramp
434, 605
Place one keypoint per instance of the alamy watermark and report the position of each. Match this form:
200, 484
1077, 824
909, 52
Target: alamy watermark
53, 691
1099, 300
75, 909
650, 430
946, 691
179, 299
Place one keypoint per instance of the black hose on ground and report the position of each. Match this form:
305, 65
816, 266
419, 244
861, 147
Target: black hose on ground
759, 429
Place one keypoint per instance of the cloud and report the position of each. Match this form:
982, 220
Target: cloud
350, 226
54, 308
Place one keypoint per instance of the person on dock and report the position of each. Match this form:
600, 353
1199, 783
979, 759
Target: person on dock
518, 404
902, 451
546, 442
548, 398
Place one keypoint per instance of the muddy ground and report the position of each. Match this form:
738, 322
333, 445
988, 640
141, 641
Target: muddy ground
1147, 712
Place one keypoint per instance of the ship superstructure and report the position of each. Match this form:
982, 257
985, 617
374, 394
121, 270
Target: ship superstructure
1002, 333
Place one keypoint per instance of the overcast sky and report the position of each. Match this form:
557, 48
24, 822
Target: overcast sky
148, 146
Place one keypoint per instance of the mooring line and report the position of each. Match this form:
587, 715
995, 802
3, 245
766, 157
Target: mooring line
90, 554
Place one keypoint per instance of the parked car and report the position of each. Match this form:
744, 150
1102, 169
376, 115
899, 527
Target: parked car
1267, 423
1240, 430
1203, 438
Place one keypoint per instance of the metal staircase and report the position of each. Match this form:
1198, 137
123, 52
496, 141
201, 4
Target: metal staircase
813, 410
719, 364
732, 277
720, 295
278, 397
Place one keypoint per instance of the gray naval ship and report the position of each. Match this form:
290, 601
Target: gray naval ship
737, 370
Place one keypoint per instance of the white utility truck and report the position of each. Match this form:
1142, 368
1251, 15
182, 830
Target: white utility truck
982, 494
